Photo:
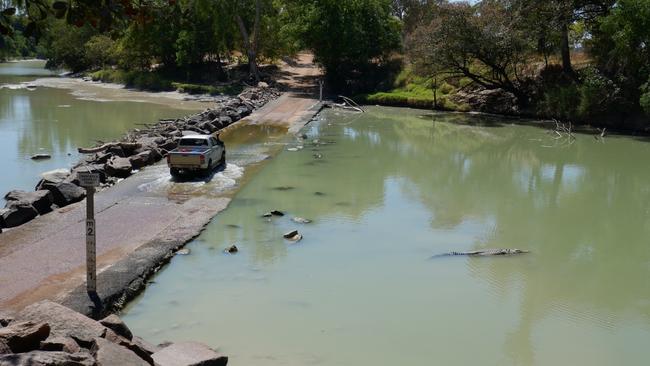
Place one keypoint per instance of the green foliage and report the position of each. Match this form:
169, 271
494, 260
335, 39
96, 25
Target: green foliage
17, 44
412, 90
134, 79
348, 37
208, 89
66, 46
644, 100
620, 48
597, 93
100, 50
481, 42
560, 101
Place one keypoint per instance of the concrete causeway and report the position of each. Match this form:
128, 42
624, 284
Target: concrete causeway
137, 230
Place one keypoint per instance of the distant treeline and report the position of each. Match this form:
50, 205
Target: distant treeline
576, 60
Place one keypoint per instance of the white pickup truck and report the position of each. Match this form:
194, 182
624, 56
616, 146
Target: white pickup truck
196, 153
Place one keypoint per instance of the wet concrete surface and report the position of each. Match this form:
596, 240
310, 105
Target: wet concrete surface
140, 222
144, 219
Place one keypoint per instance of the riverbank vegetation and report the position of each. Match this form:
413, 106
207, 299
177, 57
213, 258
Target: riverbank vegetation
580, 61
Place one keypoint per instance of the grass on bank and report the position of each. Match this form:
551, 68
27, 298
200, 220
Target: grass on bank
410, 90
154, 81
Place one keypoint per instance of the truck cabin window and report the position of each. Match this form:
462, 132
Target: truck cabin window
194, 142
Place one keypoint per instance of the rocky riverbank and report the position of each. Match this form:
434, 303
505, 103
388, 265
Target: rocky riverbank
117, 160
49, 334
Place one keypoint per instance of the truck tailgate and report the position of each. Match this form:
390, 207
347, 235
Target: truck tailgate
186, 157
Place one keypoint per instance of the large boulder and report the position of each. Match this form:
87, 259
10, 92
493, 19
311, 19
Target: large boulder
16, 215
24, 336
207, 126
117, 150
53, 177
189, 354
114, 323
169, 145
243, 111
145, 346
66, 193
110, 354
63, 322
135, 347
118, 167
4, 348
41, 200
225, 120
142, 159
60, 344
44, 358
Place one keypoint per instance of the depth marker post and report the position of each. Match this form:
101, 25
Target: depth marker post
89, 181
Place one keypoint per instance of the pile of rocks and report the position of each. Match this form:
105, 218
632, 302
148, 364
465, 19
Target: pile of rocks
49, 334
118, 159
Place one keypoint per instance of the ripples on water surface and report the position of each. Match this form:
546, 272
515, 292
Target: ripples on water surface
391, 189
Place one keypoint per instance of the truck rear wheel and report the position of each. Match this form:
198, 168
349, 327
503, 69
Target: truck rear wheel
208, 170
175, 172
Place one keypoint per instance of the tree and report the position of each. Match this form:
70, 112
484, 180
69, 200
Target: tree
348, 38
619, 45
250, 39
550, 22
480, 42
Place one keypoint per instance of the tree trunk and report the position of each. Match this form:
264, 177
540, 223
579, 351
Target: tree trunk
566, 52
251, 46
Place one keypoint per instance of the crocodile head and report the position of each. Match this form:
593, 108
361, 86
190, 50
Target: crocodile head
518, 251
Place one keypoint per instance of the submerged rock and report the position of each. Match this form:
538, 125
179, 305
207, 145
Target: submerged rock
293, 236
283, 188
41, 156
188, 354
184, 251
273, 213
301, 220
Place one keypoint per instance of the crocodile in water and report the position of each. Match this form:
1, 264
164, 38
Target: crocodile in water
484, 252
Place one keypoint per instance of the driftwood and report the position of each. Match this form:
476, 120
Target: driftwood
123, 145
348, 103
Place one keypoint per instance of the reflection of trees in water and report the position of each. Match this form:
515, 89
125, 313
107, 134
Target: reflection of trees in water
43, 124
582, 211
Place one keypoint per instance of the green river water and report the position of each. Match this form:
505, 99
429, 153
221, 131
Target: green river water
57, 121
386, 191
